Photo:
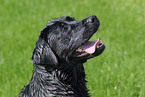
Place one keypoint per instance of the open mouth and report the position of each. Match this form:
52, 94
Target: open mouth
88, 48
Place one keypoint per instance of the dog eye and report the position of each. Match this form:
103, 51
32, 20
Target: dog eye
65, 29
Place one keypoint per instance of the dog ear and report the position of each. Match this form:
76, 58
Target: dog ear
43, 54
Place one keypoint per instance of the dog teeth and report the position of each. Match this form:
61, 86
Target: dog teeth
80, 50
98, 46
100, 41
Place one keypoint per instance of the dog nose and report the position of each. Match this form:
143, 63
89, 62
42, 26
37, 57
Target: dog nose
92, 19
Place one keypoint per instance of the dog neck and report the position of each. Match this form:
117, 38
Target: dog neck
64, 79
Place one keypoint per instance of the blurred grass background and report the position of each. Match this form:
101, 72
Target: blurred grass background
118, 72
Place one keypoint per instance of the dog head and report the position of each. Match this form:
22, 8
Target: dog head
65, 39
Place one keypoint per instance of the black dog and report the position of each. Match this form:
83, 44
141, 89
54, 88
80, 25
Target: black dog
60, 51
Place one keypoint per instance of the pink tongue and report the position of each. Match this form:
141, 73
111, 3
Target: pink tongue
90, 46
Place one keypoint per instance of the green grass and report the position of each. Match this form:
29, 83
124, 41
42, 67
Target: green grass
118, 72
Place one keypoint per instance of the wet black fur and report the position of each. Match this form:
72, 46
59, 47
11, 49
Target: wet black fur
58, 72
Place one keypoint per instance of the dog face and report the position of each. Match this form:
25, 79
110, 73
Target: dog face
65, 39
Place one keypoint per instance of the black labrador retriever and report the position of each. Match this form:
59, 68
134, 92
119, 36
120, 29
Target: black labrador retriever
60, 51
